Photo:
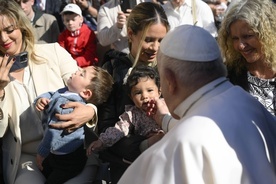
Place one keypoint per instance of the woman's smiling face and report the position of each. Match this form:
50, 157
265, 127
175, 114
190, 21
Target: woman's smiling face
151, 43
246, 42
10, 37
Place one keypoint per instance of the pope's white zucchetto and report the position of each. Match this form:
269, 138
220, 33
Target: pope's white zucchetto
190, 43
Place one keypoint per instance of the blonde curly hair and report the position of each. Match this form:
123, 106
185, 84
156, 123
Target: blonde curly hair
260, 16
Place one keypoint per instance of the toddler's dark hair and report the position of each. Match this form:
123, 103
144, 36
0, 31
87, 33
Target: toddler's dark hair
141, 71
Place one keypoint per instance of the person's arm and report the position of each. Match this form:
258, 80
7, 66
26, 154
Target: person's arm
90, 10
168, 122
4, 81
111, 134
66, 64
94, 121
86, 7
81, 115
158, 109
108, 31
4, 74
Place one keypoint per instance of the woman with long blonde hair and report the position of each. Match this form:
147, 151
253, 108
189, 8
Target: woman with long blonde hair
38, 68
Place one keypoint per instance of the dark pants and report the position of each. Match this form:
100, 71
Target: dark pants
60, 168
127, 148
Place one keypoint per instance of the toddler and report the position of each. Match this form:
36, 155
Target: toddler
61, 154
142, 85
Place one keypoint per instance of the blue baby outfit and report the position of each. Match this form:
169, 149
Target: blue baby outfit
59, 141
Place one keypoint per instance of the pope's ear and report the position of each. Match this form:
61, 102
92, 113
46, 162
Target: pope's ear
170, 80
86, 94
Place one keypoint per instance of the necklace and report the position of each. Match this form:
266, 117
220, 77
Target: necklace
206, 92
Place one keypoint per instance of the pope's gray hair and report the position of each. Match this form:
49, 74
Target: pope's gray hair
195, 74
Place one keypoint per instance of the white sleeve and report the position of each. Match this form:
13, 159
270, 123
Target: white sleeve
108, 32
93, 122
168, 122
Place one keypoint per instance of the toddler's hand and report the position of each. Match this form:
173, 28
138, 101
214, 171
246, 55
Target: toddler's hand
94, 147
42, 103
